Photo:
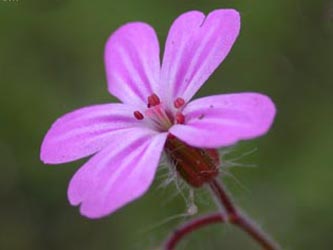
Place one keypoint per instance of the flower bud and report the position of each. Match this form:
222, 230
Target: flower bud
195, 165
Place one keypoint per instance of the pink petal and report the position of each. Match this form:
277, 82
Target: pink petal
222, 120
195, 47
118, 174
132, 63
85, 131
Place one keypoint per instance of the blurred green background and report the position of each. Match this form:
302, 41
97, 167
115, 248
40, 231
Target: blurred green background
51, 62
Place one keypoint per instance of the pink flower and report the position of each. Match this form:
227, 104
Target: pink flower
127, 139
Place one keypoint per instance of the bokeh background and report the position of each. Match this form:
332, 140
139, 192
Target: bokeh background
51, 62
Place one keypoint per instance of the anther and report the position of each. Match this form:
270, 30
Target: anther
153, 100
138, 115
179, 102
179, 118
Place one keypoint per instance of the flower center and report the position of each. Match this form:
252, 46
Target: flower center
195, 165
157, 114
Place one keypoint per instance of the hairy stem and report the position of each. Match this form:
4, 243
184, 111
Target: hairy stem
233, 215
190, 226
239, 219
222, 197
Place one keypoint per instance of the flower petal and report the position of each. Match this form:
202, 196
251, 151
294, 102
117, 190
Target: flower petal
118, 174
195, 46
132, 63
223, 120
85, 131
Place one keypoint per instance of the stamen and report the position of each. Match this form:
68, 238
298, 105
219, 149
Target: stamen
138, 115
159, 116
179, 118
153, 100
179, 102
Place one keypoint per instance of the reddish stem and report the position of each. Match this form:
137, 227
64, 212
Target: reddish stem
222, 196
239, 219
192, 225
256, 233
233, 215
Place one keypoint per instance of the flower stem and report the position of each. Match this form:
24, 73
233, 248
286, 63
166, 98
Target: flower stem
238, 218
233, 215
222, 197
192, 225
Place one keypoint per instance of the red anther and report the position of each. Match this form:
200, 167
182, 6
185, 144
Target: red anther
138, 115
179, 102
153, 100
179, 118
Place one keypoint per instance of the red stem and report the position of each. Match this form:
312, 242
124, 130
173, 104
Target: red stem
192, 225
223, 197
239, 219
233, 216
256, 233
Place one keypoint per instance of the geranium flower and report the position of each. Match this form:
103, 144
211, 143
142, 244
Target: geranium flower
127, 139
